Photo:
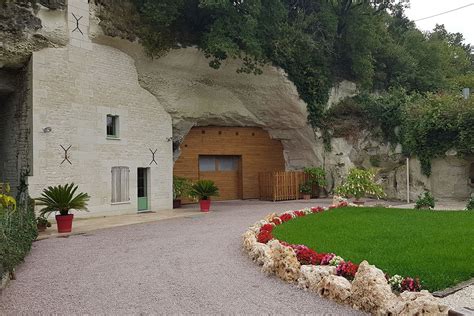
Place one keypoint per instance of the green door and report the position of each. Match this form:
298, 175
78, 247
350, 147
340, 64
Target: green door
142, 187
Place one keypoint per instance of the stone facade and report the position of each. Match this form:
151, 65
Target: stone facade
74, 88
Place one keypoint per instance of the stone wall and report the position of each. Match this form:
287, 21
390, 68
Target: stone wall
15, 122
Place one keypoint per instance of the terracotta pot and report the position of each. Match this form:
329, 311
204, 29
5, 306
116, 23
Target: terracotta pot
64, 223
306, 196
205, 205
358, 202
177, 203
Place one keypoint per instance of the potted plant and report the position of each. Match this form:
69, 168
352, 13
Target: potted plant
42, 223
181, 188
62, 199
203, 190
306, 189
316, 179
359, 184
425, 201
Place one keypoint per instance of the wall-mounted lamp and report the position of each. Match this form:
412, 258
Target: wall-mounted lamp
47, 129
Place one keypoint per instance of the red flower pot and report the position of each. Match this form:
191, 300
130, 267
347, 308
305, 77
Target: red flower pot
205, 205
64, 223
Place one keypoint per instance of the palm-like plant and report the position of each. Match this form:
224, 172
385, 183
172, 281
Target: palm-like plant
203, 189
62, 199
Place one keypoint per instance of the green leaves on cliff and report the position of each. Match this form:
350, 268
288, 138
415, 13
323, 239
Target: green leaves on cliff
427, 126
436, 124
320, 42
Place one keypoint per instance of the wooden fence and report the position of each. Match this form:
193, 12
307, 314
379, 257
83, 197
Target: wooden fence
280, 185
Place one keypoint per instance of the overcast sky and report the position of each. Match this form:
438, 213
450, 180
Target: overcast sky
461, 21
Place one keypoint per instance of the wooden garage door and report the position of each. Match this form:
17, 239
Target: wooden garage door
225, 171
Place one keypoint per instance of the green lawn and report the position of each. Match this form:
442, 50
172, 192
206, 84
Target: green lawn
438, 247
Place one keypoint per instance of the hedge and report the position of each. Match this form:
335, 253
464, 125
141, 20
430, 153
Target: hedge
17, 232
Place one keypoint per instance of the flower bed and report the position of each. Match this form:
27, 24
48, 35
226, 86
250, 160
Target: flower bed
363, 286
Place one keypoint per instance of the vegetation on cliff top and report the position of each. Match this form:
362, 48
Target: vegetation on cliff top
321, 42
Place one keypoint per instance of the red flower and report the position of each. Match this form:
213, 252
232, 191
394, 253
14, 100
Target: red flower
319, 257
317, 209
347, 270
306, 255
299, 213
276, 221
264, 236
267, 227
410, 284
285, 217
332, 206
343, 204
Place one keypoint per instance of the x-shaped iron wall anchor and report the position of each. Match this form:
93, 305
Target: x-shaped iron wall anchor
77, 23
153, 156
66, 155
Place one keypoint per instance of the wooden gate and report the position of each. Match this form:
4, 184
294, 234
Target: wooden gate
280, 185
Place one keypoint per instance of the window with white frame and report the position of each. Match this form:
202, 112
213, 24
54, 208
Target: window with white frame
120, 184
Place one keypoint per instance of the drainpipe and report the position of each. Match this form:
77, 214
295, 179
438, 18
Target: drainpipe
408, 180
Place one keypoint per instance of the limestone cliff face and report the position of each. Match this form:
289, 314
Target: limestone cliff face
25, 28
196, 95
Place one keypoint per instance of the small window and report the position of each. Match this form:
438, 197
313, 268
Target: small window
112, 126
207, 163
120, 184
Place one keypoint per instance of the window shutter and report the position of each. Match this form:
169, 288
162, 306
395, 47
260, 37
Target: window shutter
120, 184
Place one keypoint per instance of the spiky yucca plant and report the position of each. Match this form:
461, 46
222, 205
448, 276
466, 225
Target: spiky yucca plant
61, 199
204, 189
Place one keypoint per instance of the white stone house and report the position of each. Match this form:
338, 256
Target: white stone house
87, 120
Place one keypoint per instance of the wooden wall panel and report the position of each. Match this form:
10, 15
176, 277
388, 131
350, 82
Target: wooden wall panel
258, 152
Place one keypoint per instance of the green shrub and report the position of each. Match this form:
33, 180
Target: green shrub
425, 200
181, 187
306, 187
470, 204
17, 232
360, 183
317, 176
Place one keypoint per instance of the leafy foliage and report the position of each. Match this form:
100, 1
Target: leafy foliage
62, 199
317, 175
470, 204
435, 124
17, 232
204, 189
181, 187
7, 202
320, 42
425, 201
360, 183
306, 187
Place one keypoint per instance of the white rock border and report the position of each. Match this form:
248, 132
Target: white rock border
369, 291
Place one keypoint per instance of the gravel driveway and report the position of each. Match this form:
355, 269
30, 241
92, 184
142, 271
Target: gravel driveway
182, 265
